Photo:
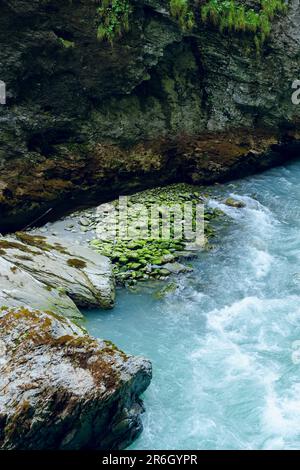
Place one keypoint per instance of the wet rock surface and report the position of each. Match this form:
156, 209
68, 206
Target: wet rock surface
234, 203
63, 389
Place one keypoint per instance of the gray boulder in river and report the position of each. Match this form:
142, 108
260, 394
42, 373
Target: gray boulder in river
45, 273
64, 389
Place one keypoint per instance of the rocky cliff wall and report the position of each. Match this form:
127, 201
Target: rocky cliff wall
85, 121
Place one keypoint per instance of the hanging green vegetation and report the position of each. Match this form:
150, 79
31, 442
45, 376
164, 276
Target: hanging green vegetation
114, 19
229, 15
180, 9
115, 15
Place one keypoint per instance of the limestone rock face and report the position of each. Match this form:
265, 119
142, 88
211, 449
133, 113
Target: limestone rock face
19, 288
42, 272
85, 121
61, 389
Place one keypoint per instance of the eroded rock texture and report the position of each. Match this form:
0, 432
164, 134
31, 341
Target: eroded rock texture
45, 273
86, 121
64, 389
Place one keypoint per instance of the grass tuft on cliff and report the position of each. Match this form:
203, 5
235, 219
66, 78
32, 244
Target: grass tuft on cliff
114, 19
227, 15
181, 11
230, 15
115, 16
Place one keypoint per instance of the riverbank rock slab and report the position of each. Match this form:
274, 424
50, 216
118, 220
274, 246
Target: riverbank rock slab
75, 275
19, 288
61, 389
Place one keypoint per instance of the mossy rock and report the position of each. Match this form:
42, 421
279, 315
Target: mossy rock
132, 258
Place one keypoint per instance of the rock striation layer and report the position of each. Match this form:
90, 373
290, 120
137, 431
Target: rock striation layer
44, 273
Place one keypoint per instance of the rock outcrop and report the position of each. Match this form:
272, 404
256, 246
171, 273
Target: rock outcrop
61, 389
42, 272
85, 121
19, 288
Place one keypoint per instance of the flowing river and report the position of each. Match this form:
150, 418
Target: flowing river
225, 345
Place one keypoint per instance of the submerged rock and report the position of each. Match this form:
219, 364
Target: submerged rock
62, 389
42, 272
231, 202
166, 290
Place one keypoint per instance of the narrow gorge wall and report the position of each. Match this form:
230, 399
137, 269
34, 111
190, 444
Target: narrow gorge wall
85, 121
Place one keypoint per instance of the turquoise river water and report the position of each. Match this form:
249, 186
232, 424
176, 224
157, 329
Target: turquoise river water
224, 345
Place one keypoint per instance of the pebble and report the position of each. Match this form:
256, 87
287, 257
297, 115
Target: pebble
168, 258
84, 221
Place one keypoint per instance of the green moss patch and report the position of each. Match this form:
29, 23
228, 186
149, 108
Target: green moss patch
145, 258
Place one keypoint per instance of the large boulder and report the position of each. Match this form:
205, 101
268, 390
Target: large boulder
45, 273
61, 389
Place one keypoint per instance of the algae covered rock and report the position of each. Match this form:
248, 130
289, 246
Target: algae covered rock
62, 389
144, 253
231, 202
